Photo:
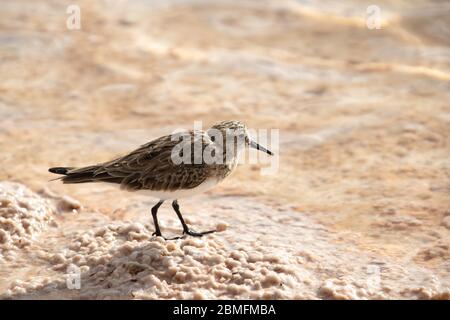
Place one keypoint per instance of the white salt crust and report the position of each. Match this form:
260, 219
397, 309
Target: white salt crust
122, 260
23, 215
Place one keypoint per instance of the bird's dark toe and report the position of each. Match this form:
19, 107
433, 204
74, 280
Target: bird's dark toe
155, 234
194, 233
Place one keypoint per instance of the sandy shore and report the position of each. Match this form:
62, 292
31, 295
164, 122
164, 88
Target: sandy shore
360, 204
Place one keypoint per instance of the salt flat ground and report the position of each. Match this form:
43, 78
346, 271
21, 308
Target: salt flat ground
360, 204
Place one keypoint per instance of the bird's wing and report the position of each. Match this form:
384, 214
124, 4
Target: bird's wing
151, 166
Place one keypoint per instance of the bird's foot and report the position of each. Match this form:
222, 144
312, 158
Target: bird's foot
194, 233
186, 232
156, 234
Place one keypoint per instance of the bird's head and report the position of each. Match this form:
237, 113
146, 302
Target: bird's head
234, 134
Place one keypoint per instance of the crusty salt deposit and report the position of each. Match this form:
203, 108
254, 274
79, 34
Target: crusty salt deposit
125, 261
23, 215
290, 257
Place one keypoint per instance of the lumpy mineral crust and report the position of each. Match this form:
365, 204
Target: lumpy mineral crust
23, 215
357, 206
122, 260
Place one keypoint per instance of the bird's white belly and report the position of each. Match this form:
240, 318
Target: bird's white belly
182, 193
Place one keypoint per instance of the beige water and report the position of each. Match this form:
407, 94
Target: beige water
360, 205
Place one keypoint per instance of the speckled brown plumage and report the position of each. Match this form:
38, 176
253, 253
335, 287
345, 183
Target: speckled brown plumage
150, 167
153, 167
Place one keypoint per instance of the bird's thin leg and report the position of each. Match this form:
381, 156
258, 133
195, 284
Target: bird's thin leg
186, 229
155, 219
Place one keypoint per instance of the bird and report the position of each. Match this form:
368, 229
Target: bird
173, 166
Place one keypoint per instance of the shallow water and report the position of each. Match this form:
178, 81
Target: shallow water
364, 150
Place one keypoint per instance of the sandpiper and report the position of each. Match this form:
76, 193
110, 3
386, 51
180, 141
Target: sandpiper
168, 169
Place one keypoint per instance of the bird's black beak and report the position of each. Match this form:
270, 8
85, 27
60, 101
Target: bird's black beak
256, 146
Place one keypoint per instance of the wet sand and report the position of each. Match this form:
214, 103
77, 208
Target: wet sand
360, 206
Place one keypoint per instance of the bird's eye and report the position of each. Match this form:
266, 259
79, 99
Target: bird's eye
213, 138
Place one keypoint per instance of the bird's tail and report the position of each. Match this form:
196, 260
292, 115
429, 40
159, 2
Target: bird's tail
60, 170
74, 175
